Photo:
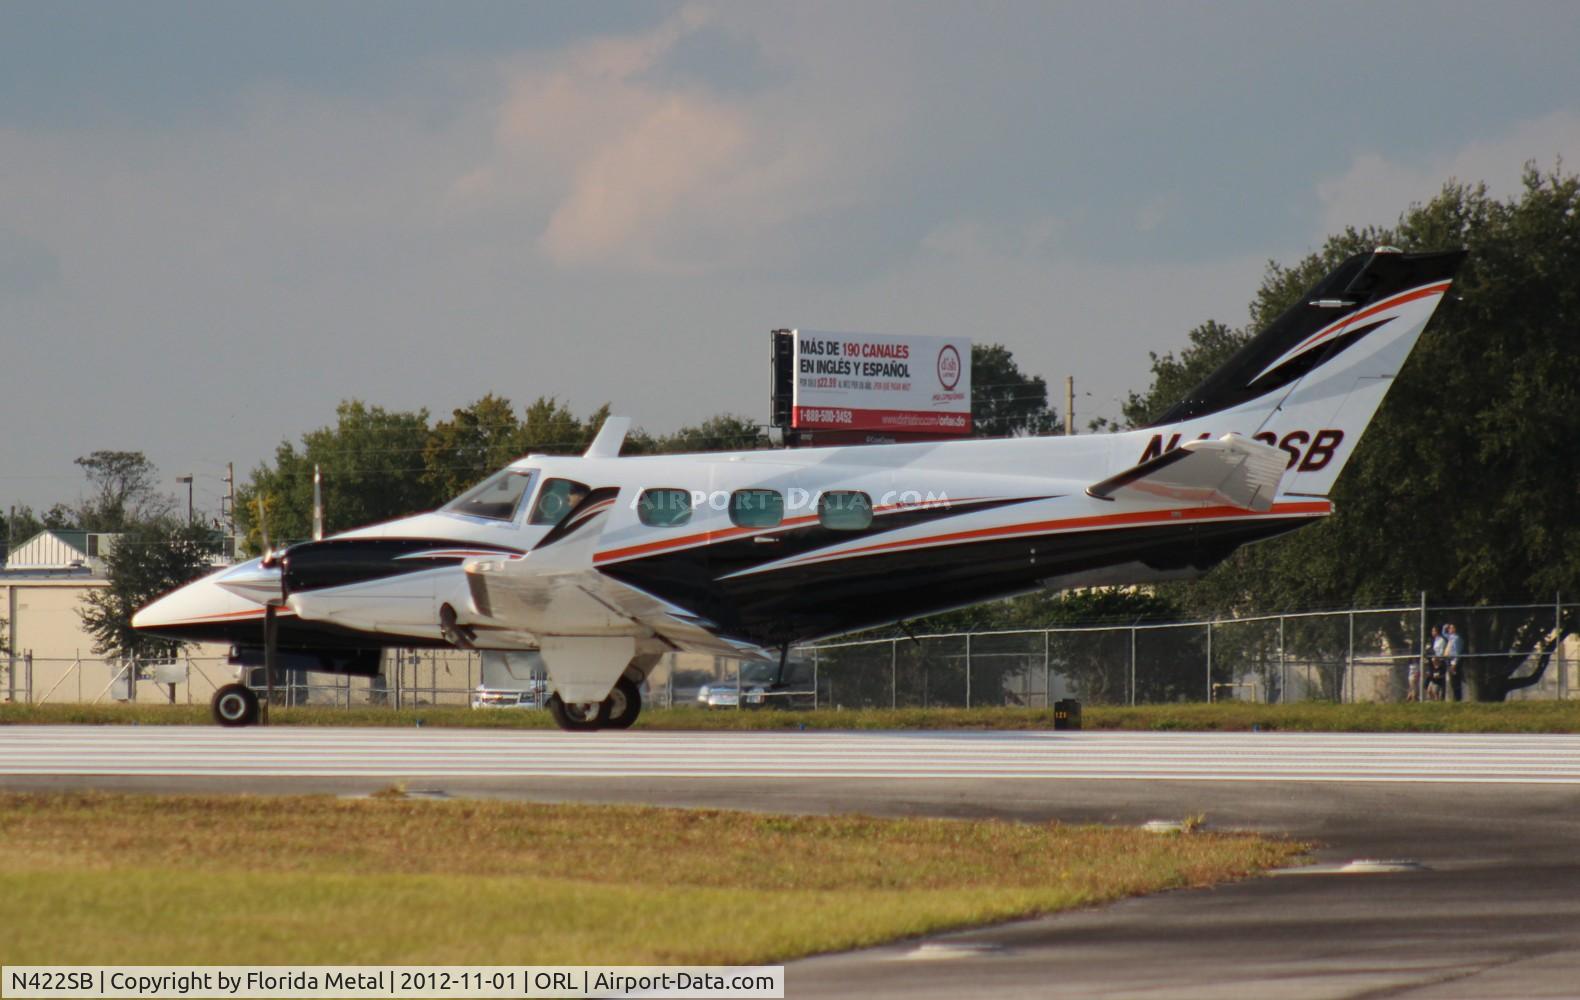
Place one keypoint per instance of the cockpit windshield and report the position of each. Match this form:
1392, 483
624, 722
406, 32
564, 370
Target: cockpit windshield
498, 497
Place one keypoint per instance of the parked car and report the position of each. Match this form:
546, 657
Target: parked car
511, 679
532, 697
764, 687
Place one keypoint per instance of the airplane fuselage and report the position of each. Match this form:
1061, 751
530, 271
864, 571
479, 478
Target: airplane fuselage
948, 528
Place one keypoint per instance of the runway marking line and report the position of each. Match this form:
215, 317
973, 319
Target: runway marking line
359, 752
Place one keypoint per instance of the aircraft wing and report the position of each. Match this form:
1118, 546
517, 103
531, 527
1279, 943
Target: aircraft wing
588, 603
1233, 470
676, 625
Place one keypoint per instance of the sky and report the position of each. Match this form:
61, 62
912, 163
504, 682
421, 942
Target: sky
218, 220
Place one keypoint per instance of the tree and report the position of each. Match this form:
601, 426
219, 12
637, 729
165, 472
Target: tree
552, 429
474, 442
1465, 485
1168, 663
147, 561
487, 436
373, 467
123, 491
723, 432
1210, 345
1005, 402
380, 464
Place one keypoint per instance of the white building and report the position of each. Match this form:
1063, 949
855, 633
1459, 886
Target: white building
48, 655
62, 550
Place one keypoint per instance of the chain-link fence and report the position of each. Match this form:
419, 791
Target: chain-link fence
409, 678
1355, 655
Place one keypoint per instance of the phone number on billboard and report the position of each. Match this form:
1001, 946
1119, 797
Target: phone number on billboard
819, 416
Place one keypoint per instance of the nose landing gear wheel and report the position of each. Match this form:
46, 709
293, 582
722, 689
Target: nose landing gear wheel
235, 705
576, 717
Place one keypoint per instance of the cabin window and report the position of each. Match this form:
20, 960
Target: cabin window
844, 510
556, 499
756, 508
664, 508
497, 498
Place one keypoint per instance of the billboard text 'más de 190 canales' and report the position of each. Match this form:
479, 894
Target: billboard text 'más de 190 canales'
866, 382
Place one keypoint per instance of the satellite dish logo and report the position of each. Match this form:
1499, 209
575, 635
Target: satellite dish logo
949, 367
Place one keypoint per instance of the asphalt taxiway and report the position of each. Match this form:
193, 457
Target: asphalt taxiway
1480, 896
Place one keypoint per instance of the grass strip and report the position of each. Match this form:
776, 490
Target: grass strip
144, 879
1431, 717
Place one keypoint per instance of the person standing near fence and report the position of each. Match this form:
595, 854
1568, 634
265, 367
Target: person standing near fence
1434, 666
1453, 648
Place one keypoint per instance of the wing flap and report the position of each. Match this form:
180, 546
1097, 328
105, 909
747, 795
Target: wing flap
1233, 470
587, 602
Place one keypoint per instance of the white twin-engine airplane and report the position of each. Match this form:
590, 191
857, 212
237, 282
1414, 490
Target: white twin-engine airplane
605, 563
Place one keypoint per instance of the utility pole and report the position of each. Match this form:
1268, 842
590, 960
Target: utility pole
1069, 405
188, 480
229, 512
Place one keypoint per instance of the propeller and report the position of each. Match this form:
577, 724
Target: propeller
271, 608
318, 505
263, 529
262, 581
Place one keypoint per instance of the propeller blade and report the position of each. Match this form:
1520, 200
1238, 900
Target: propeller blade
318, 505
263, 529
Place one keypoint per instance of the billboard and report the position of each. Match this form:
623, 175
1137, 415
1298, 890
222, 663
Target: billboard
867, 382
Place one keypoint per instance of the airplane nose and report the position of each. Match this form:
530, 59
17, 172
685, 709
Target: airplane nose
196, 606
159, 613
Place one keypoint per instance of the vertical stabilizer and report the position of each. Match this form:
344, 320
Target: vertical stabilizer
610, 437
1312, 381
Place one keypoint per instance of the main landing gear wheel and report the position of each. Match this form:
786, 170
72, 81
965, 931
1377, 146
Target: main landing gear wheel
622, 706
577, 717
618, 711
235, 705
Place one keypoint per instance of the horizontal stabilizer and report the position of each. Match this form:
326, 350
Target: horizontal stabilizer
1232, 470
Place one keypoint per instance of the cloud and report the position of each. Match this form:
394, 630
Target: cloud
623, 154
1376, 189
649, 177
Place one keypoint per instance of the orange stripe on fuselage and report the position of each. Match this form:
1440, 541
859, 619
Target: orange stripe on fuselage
702, 538
1099, 521
1096, 521
227, 616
